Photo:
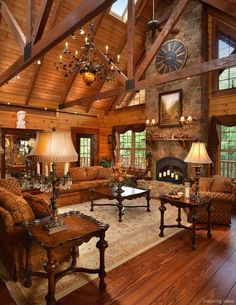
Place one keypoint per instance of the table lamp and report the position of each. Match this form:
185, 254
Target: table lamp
197, 155
50, 148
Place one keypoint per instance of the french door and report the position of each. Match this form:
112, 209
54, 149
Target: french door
85, 149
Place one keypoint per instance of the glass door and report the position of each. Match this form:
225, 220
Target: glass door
85, 150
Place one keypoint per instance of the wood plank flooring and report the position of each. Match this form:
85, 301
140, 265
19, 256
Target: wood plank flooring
169, 273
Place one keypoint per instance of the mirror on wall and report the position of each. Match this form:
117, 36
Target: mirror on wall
17, 143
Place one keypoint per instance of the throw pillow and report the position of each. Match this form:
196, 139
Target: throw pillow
12, 185
105, 172
39, 205
18, 207
78, 173
92, 172
221, 184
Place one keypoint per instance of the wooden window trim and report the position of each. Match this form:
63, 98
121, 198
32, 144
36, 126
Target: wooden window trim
219, 27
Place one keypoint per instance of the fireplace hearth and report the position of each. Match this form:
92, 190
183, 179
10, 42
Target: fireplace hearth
171, 169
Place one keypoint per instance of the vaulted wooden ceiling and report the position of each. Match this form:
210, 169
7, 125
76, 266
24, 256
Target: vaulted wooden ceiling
32, 30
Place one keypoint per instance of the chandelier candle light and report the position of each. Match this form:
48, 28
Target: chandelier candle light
51, 148
87, 64
197, 155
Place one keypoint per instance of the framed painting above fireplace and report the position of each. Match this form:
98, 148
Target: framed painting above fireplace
170, 108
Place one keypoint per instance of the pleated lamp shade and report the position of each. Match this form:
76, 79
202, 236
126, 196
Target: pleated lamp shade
53, 146
198, 154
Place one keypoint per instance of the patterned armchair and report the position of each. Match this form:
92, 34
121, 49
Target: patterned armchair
222, 192
15, 208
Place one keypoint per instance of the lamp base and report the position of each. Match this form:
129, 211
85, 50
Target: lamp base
54, 225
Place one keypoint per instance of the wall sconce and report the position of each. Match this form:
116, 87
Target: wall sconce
151, 123
188, 120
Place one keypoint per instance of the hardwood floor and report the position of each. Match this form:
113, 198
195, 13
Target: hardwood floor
170, 273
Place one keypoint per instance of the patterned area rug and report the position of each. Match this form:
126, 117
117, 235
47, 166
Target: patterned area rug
138, 232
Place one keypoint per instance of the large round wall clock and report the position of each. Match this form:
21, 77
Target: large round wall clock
171, 57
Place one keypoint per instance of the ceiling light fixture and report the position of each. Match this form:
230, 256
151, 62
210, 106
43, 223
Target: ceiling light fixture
87, 64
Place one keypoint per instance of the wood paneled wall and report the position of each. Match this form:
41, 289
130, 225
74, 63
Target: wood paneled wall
218, 105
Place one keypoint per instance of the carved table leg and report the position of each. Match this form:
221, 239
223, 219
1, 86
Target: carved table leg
28, 280
51, 267
148, 201
179, 218
162, 209
194, 221
209, 212
91, 208
74, 255
120, 208
102, 244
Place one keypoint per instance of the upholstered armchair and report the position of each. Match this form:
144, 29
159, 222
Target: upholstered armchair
15, 208
222, 191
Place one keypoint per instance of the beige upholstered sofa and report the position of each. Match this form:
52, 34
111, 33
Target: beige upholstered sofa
15, 208
222, 192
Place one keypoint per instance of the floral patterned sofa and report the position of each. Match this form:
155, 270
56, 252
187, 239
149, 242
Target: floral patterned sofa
16, 207
223, 193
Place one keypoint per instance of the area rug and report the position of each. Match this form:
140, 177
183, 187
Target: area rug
138, 232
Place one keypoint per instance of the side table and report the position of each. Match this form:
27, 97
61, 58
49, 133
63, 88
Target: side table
81, 228
193, 207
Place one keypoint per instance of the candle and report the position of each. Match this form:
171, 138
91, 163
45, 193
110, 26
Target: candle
172, 175
38, 168
160, 175
168, 172
176, 177
76, 54
66, 168
60, 58
66, 44
46, 170
164, 174
86, 39
106, 49
51, 170
118, 58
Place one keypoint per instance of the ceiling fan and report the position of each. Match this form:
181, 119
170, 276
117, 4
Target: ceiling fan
155, 24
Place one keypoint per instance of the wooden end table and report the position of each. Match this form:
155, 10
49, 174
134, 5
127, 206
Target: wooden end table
193, 207
128, 193
80, 229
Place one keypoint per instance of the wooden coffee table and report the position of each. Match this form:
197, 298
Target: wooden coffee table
80, 229
193, 207
129, 193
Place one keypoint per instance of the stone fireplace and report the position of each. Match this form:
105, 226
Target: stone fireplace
175, 141
171, 169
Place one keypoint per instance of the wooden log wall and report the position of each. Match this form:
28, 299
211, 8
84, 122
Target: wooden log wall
218, 105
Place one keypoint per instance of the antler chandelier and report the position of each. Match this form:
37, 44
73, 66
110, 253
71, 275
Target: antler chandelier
87, 64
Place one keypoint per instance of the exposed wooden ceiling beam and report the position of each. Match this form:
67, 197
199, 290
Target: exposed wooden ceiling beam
29, 12
97, 23
130, 38
176, 13
87, 10
13, 26
194, 70
153, 80
95, 97
41, 21
221, 16
37, 67
228, 6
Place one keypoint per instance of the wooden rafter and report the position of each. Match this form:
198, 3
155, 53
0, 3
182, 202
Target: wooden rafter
72, 78
13, 26
228, 7
221, 16
176, 13
41, 21
87, 10
130, 38
38, 67
29, 11
153, 80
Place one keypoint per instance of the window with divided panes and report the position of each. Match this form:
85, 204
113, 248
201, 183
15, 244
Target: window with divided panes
228, 151
132, 149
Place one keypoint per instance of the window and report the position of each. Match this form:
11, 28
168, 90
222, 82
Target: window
138, 99
226, 47
119, 9
228, 151
132, 149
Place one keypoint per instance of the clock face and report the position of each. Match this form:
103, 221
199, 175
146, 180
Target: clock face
171, 57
